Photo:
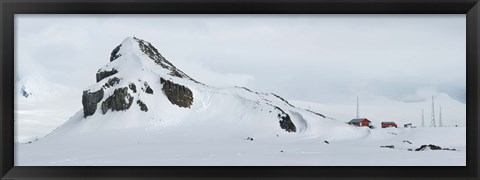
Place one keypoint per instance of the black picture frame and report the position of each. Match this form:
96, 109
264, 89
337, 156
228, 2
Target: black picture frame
9, 8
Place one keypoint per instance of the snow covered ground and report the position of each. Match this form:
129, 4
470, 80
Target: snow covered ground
166, 147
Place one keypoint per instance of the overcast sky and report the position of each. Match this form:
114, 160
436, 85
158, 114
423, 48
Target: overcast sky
327, 59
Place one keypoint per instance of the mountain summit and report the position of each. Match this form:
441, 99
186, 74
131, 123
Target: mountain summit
132, 45
134, 63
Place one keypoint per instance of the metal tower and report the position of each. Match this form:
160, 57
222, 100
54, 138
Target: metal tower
440, 123
432, 124
423, 120
358, 112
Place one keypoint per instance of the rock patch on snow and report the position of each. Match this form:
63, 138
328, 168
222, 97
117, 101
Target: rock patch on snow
121, 100
432, 147
102, 74
147, 89
90, 101
111, 82
132, 87
285, 121
114, 55
142, 105
177, 94
389, 146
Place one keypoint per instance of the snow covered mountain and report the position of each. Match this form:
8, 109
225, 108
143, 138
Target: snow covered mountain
140, 88
33, 87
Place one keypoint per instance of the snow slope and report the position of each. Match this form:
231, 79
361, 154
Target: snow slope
216, 126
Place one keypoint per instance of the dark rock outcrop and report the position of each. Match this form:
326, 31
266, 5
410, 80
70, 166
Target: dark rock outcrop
148, 90
104, 74
120, 100
175, 72
285, 121
177, 94
282, 99
132, 87
318, 114
430, 146
114, 55
153, 53
251, 91
90, 101
243, 88
388, 146
111, 82
142, 105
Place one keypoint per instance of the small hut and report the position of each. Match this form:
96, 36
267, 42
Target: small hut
389, 124
360, 122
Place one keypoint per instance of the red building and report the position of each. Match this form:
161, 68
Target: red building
389, 124
360, 122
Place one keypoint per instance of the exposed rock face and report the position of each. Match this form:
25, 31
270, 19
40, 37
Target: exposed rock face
282, 99
111, 82
90, 101
389, 146
177, 94
153, 53
175, 72
285, 121
132, 87
142, 105
114, 55
104, 74
426, 147
121, 100
318, 114
148, 90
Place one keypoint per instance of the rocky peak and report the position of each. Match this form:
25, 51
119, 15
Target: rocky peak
130, 67
130, 43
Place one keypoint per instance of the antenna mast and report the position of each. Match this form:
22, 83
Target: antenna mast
358, 113
440, 123
432, 124
423, 120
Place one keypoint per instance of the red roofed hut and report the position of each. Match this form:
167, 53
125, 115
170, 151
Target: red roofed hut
389, 124
360, 122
